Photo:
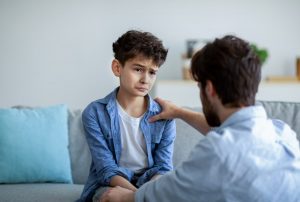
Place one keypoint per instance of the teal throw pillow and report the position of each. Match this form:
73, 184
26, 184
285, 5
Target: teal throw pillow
34, 145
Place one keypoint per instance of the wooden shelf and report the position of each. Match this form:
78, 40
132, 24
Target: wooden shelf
283, 79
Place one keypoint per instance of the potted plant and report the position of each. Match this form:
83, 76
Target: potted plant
261, 53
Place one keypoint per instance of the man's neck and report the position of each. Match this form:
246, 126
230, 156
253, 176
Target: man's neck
135, 106
226, 112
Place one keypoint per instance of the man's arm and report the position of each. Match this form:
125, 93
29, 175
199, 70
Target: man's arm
118, 194
170, 111
122, 182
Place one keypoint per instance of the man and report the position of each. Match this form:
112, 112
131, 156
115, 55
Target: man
245, 156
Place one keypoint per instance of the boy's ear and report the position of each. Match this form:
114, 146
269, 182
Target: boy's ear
116, 67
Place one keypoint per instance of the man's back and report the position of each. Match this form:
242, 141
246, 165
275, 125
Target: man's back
247, 158
260, 157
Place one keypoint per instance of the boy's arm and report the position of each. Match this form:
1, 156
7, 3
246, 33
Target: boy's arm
170, 111
102, 157
163, 153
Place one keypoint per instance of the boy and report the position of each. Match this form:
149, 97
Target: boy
126, 149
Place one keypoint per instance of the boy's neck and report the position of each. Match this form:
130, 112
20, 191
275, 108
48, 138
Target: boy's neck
135, 106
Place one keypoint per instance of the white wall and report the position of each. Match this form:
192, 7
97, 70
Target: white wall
60, 51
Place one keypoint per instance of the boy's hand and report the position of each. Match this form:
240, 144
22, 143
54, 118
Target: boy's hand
169, 110
118, 194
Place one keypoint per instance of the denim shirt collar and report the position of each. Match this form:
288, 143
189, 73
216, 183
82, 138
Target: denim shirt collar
111, 98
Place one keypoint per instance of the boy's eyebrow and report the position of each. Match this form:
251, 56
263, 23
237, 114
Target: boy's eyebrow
143, 66
137, 64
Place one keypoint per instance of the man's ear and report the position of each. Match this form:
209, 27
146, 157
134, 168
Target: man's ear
210, 89
116, 67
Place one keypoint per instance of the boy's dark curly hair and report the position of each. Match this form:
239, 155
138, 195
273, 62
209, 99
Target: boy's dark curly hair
134, 43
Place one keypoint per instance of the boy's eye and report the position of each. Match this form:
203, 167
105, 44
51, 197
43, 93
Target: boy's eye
153, 73
138, 69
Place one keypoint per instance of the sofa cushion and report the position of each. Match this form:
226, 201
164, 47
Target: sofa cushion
45, 192
34, 145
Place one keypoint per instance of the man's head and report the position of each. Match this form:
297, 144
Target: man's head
229, 69
136, 43
232, 67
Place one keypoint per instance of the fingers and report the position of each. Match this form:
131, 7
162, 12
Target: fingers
154, 118
159, 100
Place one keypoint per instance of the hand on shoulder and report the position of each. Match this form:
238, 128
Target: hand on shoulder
169, 110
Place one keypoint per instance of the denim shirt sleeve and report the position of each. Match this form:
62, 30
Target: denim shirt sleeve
162, 153
105, 166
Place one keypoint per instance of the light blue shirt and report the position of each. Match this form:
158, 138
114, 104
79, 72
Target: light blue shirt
101, 124
247, 158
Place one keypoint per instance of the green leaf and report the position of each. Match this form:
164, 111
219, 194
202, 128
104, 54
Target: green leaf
260, 52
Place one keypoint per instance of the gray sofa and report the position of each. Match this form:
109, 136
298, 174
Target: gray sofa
186, 138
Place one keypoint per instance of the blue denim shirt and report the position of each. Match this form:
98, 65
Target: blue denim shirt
102, 129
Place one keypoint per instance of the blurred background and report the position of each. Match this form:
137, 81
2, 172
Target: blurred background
60, 51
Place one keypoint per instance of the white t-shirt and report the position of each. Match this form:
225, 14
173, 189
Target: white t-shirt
134, 151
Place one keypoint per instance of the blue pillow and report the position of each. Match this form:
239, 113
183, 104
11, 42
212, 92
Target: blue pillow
34, 145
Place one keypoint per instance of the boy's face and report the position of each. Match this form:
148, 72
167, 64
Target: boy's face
137, 76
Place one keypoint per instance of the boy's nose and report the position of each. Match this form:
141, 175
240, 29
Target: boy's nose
144, 79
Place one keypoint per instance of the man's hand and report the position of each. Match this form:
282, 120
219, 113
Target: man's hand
118, 194
170, 110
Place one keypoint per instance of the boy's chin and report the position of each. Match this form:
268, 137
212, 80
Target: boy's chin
142, 93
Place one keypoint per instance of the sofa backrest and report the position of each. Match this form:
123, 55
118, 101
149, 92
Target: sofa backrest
289, 112
79, 151
186, 137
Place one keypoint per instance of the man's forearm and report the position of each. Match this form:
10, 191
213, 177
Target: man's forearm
195, 119
122, 182
171, 111
118, 194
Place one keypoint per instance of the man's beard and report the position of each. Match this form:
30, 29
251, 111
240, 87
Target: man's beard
209, 112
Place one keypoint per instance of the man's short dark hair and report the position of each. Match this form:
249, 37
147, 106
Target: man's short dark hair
233, 68
134, 43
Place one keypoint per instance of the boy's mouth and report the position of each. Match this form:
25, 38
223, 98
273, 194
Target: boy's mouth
142, 89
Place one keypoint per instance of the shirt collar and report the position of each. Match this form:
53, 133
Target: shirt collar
244, 114
111, 98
